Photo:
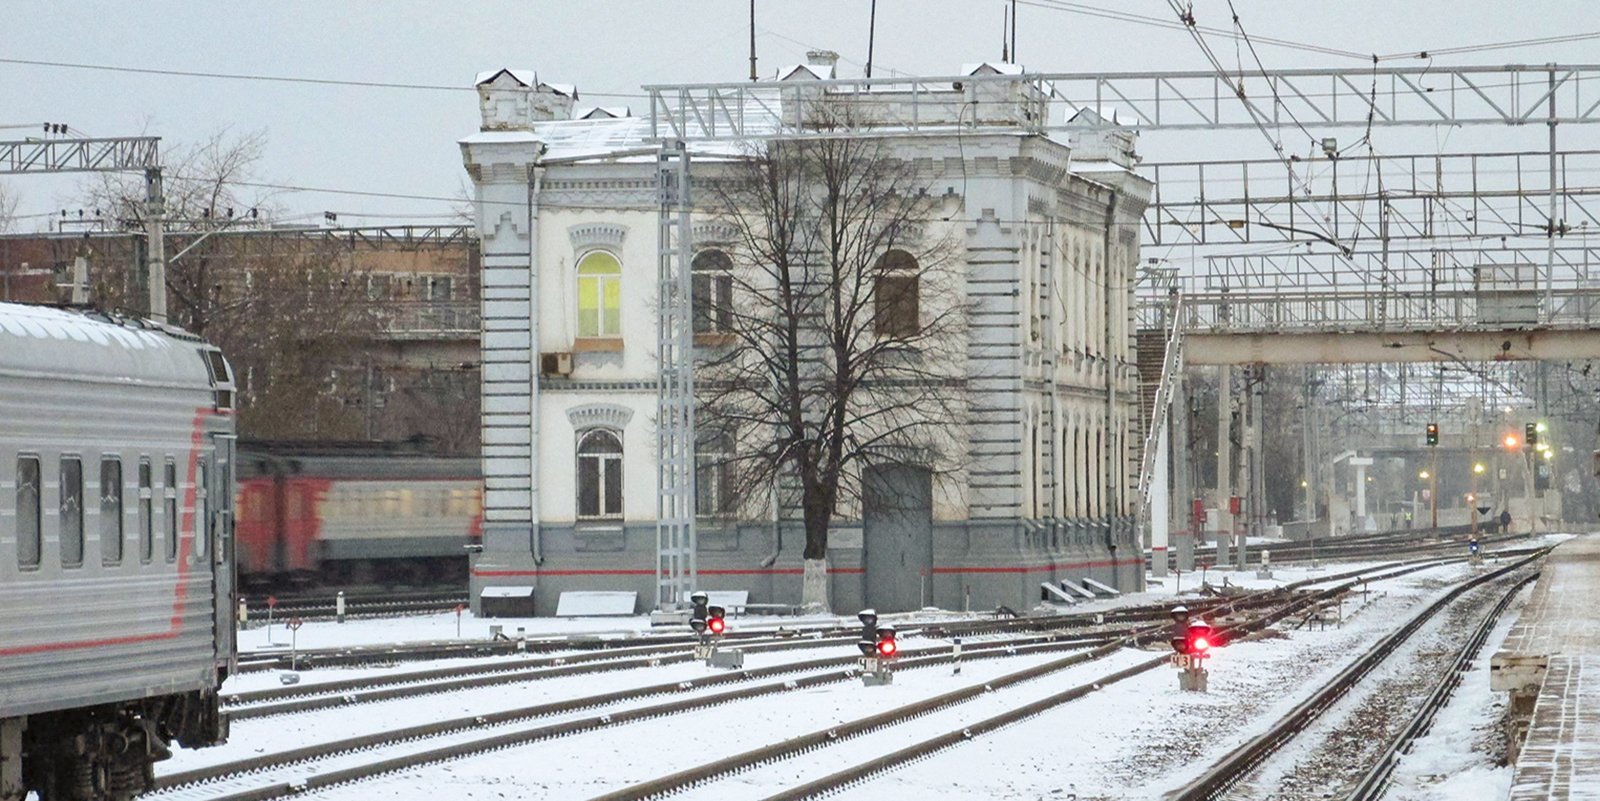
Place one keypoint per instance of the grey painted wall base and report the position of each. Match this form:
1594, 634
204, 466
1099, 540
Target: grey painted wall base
977, 565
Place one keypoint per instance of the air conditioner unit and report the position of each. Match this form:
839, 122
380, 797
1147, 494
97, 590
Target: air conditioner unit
555, 364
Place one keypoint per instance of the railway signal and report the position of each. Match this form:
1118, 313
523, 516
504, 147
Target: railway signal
1192, 639
1433, 434
710, 623
1530, 435
878, 647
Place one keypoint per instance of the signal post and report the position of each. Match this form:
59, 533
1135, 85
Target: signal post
1191, 642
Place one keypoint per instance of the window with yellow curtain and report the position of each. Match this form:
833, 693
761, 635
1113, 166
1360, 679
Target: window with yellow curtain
599, 295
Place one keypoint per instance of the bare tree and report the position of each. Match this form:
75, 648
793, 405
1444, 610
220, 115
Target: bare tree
8, 209
834, 329
294, 319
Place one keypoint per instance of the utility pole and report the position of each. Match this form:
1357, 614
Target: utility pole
1224, 461
872, 30
156, 259
752, 40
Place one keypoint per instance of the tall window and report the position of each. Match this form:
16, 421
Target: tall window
28, 512
71, 517
713, 477
599, 475
147, 523
712, 271
599, 295
111, 510
896, 309
169, 507
202, 522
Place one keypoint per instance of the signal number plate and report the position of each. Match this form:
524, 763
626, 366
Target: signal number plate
1181, 661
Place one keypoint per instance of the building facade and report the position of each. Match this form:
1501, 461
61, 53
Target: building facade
1047, 247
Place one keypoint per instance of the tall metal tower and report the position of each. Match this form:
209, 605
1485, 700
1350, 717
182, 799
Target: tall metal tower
675, 437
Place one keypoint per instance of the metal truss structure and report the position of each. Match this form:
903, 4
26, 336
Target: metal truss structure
1351, 200
675, 433
111, 154
1379, 96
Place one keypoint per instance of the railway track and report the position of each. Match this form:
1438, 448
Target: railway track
356, 606
1241, 763
263, 777
1376, 781
1383, 545
221, 782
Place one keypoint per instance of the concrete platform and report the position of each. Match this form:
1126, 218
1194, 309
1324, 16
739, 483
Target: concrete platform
1550, 664
1561, 757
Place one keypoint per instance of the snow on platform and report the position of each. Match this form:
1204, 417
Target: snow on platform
1555, 647
1560, 761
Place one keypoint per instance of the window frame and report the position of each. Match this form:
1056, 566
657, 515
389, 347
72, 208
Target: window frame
36, 536
605, 461
711, 274
605, 319
112, 527
169, 506
713, 460
62, 530
890, 316
202, 523
147, 523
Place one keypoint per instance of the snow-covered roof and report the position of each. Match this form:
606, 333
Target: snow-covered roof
603, 112
805, 72
992, 68
570, 90
524, 77
1088, 116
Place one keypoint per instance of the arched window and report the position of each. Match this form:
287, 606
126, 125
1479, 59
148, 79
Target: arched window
713, 292
599, 295
895, 295
599, 475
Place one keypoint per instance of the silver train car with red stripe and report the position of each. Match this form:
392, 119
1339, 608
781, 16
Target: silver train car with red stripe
116, 550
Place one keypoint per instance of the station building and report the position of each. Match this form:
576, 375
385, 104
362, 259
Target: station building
1046, 228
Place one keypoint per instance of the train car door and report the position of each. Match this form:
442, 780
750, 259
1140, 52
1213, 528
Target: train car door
220, 487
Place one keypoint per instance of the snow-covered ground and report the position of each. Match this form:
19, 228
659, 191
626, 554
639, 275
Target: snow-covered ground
1107, 740
1131, 740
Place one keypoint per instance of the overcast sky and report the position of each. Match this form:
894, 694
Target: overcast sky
402, 141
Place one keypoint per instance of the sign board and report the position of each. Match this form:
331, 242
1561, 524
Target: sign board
596, 603
272, 601
295, 623
1181, 661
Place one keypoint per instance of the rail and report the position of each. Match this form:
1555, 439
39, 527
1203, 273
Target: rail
1242, 761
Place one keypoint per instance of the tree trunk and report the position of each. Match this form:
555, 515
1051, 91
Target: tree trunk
814, 587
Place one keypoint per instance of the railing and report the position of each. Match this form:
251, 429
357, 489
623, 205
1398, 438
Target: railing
1171, 367
431, 319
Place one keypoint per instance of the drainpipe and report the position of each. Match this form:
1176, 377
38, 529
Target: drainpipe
1111, 389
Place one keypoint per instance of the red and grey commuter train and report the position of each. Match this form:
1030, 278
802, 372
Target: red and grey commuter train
116, 550
358, 514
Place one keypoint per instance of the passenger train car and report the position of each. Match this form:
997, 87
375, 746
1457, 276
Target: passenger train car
333, 514
116, 569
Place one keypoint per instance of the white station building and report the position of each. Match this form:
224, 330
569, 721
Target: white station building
567, 209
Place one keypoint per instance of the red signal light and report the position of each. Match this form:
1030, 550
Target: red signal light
716, 625
887, 648
1201, 645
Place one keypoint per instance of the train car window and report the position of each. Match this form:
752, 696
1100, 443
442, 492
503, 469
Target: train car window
219, 366
111, 510
28, 512
147, 523
169, 494
70, 520
202, 531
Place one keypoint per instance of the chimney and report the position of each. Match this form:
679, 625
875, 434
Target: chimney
822, 58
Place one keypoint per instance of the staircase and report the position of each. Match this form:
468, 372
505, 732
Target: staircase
1160, 360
